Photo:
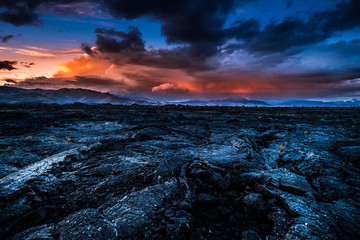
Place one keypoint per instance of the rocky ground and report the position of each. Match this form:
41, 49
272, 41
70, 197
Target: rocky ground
179, 173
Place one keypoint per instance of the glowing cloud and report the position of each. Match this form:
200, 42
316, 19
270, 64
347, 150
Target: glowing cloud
35, 53
42, 52
82, 66
169, 87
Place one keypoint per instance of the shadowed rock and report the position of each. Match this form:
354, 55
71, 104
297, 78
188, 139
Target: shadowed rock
176, 172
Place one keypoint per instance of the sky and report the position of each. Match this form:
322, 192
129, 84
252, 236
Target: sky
179, 49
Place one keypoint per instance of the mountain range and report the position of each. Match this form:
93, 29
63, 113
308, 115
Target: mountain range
14, 95
224, 102
63, 95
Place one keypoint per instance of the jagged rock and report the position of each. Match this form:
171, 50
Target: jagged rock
256, 202
225, 182
166, 173
284, 180
250, 235
216, 177
86, 224
205, 198
44, 232
280, 220
351, 153
270, 156
131, 212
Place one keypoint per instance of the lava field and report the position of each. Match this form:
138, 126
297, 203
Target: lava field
179, 172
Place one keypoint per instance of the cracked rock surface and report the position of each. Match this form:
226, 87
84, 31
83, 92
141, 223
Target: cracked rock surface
141, 172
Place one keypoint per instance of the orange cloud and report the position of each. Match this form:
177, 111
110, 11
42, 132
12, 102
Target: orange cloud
82, 66
35, 53
36, 48
42, 52
99, 73
169, 88
133, 77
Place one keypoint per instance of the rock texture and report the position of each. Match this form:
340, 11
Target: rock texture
171, 172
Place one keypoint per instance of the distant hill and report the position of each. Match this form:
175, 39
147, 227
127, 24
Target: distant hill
28, 98
225, 102
307, 103
9, 91
63, 95
72, 95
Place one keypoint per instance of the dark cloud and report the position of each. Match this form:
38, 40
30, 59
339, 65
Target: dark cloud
93, 81
6, 38
289, 33
79, 8
344, 17
86, 47
320, 83
200, 25
8, 65
129, 48
10, 81
182, 21
294, 32
321, 78
197, 24
355, 41
19, 13
244, 30
184, 58
37, 82
325, 83
288, 4
27, 64
127, 43
198, 29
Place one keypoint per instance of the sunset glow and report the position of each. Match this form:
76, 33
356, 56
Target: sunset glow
237, 48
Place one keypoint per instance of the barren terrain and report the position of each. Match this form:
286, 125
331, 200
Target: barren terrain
179, 172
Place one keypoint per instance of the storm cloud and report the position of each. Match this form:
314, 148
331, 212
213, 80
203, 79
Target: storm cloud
190, 22
197, 23
295, 32
19, 13
129, 42
129, 48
